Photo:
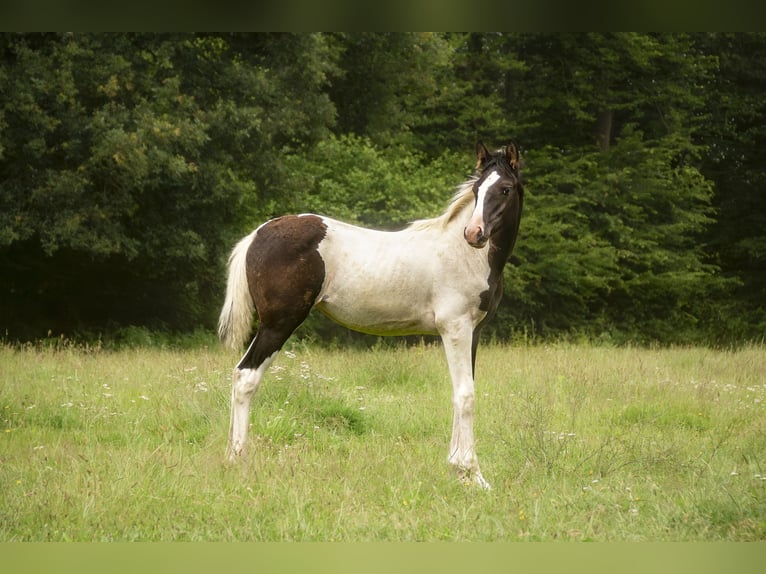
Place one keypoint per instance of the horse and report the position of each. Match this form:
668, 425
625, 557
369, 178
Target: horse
441, 276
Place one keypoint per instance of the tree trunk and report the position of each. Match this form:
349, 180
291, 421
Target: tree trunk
604, 129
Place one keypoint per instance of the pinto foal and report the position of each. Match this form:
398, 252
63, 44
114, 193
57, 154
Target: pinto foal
438, 276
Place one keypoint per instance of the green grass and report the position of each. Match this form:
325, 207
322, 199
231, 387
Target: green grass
579, 443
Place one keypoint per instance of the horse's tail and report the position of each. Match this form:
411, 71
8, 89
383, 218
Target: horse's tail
236, 320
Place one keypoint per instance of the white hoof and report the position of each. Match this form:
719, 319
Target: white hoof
469, 478
233, 455
479, 480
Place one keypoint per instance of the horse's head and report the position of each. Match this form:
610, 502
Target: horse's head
497, 189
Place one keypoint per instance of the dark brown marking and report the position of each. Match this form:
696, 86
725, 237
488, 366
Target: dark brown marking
285, 274
502, 215
506, 209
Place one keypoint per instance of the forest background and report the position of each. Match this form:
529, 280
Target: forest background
131, 163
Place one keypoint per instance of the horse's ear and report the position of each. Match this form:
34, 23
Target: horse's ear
512, 155
482, 155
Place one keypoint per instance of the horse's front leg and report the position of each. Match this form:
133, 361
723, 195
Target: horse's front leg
457, 338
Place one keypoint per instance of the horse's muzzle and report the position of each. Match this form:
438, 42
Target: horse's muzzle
475, 236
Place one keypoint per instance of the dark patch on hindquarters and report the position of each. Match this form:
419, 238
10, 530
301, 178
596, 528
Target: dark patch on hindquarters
285, 274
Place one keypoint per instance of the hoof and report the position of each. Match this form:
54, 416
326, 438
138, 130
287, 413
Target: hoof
232, 456
470, 478
481, 481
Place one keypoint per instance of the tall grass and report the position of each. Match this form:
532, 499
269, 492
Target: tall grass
579, 443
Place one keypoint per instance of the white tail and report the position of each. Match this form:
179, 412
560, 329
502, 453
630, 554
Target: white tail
236, 320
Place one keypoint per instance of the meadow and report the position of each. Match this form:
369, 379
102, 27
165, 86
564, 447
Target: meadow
579, 442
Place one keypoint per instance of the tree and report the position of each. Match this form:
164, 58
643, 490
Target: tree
350, 178
736, 163
130, 161
612, 235
388, 83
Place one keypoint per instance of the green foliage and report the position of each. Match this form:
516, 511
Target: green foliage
389, 82
615, 224
616, 237
131, 163
735, 165
349, 178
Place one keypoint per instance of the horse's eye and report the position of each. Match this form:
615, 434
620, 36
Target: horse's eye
506, 190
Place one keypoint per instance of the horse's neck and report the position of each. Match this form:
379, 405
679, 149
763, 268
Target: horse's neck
457, 213
502, 243
449, 226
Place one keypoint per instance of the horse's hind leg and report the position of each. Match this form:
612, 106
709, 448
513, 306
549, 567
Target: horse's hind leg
285, 274
246, 378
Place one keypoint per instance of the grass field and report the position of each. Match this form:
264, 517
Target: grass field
579, 443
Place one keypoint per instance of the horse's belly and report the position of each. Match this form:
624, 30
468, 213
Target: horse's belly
382, 315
